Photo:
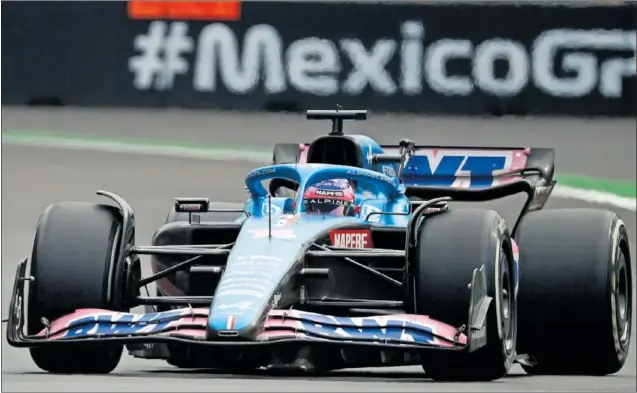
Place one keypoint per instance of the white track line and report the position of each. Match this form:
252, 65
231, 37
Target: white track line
140, 148
593, 196
560, 191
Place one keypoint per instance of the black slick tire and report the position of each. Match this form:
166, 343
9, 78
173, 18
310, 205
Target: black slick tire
576, 292
73, 262
450, 246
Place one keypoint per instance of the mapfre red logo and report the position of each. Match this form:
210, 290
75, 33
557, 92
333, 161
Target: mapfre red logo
351, 238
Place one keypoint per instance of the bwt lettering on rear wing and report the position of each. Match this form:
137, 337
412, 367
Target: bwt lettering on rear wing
476, 167
475, 174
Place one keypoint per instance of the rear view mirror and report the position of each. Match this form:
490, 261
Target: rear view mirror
192, 205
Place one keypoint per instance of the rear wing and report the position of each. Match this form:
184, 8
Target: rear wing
474, 167
475, 173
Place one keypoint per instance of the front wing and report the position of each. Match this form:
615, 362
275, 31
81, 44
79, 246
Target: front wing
290, 327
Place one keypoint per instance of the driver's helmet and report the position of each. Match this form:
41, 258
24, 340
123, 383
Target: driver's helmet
335, 197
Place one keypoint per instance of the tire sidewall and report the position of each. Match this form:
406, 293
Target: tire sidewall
619, 240
503, 243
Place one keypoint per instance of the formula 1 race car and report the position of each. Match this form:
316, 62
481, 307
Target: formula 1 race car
401, 278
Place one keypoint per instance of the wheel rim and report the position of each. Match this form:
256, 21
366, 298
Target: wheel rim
623, 301
507, 304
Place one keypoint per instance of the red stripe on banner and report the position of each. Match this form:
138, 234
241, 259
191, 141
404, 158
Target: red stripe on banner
184, 10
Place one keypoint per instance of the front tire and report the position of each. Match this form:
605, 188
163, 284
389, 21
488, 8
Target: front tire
450, 246
73, 264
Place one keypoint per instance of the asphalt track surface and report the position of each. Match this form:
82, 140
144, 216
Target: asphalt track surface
35, 177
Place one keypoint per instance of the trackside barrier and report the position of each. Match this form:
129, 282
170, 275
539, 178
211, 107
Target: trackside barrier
440, 57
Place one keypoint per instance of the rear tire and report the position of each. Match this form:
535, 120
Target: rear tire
576, 292
73, 261
450, 246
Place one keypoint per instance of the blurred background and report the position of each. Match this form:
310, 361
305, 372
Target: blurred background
153, 100
459, 58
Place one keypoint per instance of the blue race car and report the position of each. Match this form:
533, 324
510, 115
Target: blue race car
346, 254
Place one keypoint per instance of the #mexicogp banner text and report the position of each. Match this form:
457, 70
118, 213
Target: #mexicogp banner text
428, 58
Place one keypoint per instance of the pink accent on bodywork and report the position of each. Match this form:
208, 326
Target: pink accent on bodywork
303, 148
173, 327
285, 320
516, 250
280, 324
519, 161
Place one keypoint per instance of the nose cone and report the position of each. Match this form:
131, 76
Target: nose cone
247, 291
257, 266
